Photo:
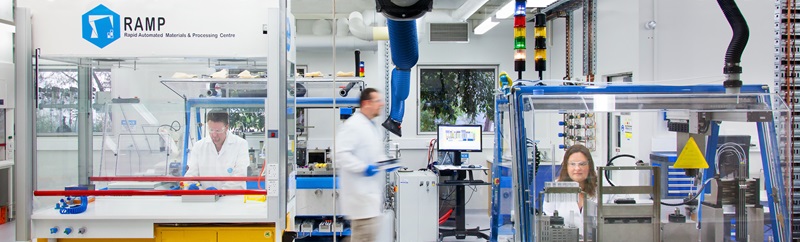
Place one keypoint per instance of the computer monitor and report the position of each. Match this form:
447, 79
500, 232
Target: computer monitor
462, 138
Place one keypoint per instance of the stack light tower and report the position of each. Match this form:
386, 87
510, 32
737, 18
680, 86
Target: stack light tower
540, 43
519, 37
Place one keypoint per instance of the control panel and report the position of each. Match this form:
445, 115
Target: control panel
92, 228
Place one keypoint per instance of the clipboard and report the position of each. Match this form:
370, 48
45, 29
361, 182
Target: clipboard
388, 164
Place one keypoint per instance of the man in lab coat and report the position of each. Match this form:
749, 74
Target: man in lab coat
221, 153
359, 146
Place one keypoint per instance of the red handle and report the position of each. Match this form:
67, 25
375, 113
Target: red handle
146, 192
174, 179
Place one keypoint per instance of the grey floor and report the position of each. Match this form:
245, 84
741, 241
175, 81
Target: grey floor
7, 233
475, 218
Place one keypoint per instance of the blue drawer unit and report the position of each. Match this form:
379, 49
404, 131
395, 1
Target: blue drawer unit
674, 182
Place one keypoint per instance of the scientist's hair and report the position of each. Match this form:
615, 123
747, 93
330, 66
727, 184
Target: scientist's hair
366, 95
217, 115
590, 185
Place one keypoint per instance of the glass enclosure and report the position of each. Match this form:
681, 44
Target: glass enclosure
641, 178
146, 128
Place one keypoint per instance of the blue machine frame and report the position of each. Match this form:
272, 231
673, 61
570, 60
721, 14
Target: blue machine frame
525, 176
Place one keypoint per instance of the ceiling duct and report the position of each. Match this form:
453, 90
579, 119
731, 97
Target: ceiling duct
449, 32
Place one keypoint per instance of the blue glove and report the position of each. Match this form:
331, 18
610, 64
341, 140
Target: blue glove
371, 170
193, 187
390, 170
211, 188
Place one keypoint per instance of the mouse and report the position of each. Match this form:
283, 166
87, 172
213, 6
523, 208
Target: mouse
472, 166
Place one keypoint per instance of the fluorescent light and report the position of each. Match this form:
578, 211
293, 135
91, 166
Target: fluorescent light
506, 11
485, 26
538, 3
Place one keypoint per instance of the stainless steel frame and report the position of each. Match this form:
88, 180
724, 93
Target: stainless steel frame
607, 213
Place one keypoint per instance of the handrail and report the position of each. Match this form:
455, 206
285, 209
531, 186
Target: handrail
174, 178
58, 193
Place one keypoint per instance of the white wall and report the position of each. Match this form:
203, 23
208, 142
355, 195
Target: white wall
692, 37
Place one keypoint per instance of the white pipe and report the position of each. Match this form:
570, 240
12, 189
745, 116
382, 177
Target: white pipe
360, 30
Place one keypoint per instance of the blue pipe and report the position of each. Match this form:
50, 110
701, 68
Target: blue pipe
400, 86
187, 133
405, 53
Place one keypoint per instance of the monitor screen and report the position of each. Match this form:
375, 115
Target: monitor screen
460, 138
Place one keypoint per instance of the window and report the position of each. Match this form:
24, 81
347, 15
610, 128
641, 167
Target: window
58, 100
456, 95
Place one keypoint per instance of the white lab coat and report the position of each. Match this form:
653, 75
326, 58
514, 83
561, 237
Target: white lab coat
359, 142
232, 160
570, 212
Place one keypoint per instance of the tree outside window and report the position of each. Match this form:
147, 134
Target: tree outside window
456, 95
58, 100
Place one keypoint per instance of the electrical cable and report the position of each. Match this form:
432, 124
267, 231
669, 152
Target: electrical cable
693, 197
172, 125
611, 163
474, 189
731, 147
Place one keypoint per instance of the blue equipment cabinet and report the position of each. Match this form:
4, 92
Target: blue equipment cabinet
674, 182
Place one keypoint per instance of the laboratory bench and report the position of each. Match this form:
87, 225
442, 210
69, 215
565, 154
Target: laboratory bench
157, 219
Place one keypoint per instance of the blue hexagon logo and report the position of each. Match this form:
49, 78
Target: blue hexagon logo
101, 26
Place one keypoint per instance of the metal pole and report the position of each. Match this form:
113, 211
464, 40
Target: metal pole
282, 124
24, 121
84, 122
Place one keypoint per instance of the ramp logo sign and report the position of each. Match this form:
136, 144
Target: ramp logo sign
101, 26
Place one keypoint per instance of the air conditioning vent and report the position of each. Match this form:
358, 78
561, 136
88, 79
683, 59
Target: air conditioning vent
449, 32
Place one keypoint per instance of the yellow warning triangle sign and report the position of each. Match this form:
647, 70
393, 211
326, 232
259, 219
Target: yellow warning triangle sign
691, 157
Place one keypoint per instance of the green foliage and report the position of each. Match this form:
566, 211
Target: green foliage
448, 95
246, 119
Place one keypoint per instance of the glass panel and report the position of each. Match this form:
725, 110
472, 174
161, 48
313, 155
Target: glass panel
619, 131
153, 132
58, 99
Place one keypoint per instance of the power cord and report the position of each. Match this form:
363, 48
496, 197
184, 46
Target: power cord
685, 202
611, 163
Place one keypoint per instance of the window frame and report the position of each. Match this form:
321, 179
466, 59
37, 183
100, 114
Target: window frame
420, 68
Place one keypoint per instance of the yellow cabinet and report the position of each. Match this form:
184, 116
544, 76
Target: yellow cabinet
265, 234
193, 234
261, 233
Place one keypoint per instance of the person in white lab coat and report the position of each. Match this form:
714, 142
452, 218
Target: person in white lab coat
220, 154
577, 166
359, 146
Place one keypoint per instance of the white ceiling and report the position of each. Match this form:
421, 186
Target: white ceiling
323, 9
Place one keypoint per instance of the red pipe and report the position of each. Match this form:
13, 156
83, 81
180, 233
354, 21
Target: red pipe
173, 178
146, 192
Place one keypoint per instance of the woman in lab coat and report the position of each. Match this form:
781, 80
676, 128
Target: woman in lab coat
577, 166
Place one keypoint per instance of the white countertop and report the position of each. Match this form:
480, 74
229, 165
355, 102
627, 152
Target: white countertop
164, 210
6, 163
